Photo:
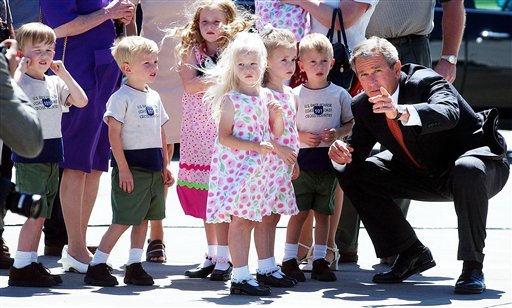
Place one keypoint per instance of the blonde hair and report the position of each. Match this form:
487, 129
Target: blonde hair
317, 42
127, 49
35, 33
237, 20
274, 38
223, 75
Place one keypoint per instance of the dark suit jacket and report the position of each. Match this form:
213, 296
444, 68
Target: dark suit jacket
450, 128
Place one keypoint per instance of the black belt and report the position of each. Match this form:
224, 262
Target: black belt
408, 39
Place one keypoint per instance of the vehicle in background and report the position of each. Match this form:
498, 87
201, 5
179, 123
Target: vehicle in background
484, 66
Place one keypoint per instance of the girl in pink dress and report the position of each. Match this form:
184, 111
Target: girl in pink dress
282, 54
212, 24
247, 115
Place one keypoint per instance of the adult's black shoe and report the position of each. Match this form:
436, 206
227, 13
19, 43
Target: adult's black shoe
471, 281
405, 267
200, 272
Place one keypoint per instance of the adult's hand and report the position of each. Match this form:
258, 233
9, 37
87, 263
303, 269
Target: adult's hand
447, 70
121, 9
340, 152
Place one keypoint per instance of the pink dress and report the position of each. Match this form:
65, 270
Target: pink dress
281, 194
284, 16
198, 133
237, 177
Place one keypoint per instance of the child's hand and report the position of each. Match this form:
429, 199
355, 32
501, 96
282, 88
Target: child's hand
126, 180
288, 155
58, 68
168, 178
329, 135
275, 108
295, 171
264, 147
23, 65
311, 139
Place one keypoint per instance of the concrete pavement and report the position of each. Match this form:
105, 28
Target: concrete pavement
435, 224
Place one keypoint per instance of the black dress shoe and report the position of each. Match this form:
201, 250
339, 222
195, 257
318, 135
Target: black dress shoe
245, 288
200, 272
220, 275
405, 267
272, 281
471, 281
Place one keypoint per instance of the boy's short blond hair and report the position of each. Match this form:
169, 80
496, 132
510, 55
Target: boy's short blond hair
127, 49
35, 33
317, 42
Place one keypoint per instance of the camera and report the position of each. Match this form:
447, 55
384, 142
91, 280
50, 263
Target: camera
25, 204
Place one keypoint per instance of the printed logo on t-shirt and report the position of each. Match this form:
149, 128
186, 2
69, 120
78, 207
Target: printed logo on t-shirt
318, 110
146, 111
44, 102
47, 102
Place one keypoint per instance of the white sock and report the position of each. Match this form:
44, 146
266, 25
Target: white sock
240, 274
265, 266
222, 258
319, 252
99, 257
135, 256
33, 256
22, 259
290, 251
212, 254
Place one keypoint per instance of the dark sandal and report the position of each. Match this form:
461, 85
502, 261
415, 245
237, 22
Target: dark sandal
155, 250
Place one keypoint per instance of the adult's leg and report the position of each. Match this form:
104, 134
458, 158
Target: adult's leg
486, 178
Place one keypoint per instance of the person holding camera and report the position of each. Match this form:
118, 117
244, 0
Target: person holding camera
50, 95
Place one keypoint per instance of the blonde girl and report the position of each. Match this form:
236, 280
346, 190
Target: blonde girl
212, 24
246, 115
282, 54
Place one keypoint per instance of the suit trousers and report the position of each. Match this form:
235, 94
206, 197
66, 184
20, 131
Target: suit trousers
470, 183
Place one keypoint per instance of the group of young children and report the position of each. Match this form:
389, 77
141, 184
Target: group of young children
268, 157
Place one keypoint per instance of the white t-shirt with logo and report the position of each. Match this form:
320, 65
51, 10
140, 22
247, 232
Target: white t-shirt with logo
142, 115
48, 98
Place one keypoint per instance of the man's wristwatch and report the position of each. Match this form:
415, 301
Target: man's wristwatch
399, 111
452, 59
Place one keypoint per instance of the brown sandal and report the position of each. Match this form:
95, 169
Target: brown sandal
155, 251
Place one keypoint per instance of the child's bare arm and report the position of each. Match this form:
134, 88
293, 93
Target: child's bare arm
345, 129
276, 118
114, 136
192, 83
166, 172
77, 95
226, 137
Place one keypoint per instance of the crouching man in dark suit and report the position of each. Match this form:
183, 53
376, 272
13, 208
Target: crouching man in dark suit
438, 149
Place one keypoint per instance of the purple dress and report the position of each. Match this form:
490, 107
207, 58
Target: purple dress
89, 61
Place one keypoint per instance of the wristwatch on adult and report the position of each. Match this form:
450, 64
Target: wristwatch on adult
452, 59
399, 111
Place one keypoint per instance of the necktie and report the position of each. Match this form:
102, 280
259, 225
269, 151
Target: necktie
397, 133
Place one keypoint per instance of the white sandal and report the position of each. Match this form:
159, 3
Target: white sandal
333, 265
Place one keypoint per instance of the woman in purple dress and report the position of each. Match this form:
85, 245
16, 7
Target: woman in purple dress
85, 32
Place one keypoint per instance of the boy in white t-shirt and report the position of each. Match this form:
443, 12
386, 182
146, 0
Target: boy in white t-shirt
323, 115
50, 95
135, 116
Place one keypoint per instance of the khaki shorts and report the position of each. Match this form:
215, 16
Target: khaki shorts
145, 202
39, 178
314, 190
